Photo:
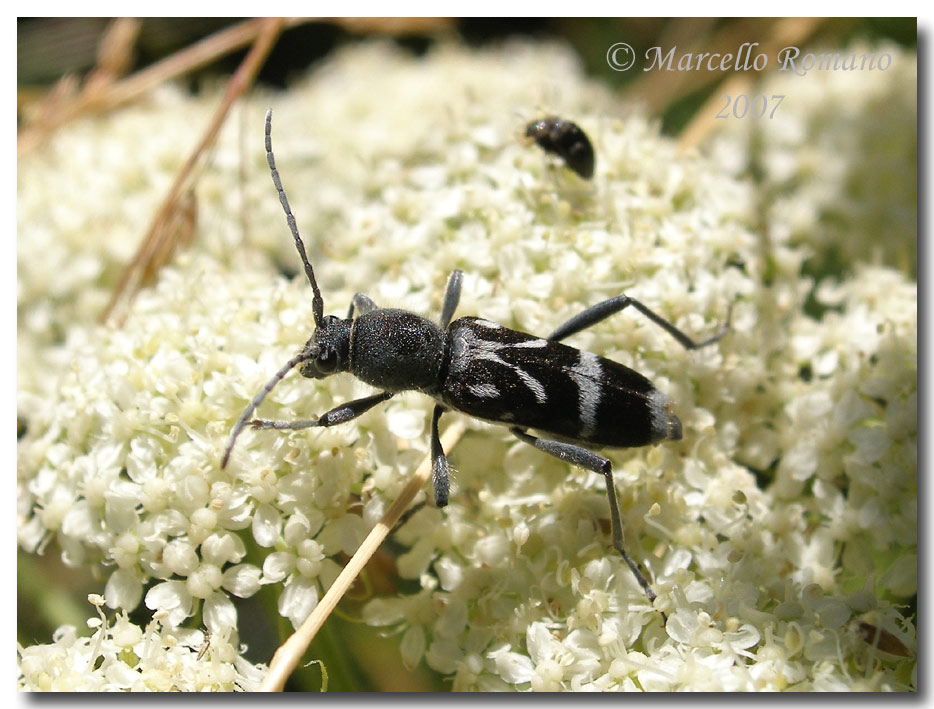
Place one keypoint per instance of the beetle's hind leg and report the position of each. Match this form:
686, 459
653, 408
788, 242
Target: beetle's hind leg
588, 460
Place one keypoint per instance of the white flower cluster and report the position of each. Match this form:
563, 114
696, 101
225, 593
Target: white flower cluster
121, 656
780, 529
837, 162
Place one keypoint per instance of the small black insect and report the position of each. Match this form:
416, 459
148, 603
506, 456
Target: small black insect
566, 140
488, 371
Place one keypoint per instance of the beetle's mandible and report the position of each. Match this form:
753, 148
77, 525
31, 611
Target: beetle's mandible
575, 400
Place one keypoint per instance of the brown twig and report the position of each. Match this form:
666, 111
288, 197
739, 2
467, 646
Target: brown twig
68, 97
154, 242
290, 653
176, 233
393, 26
102, 91
102, 96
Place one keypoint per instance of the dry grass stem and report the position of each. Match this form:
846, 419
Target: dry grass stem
290, 653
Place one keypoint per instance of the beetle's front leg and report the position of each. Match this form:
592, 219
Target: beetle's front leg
339, 414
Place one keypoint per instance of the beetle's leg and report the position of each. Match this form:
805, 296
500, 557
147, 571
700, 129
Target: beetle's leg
588, 460
575, 455
440, 470
601, 311
339, 414
452, 296
363, 304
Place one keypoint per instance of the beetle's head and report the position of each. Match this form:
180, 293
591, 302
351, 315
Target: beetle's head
328, 349
538, 130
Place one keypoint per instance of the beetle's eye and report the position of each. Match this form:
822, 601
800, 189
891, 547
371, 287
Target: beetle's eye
327, 361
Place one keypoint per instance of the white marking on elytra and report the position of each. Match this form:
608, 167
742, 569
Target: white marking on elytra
484, 391
476, 348
588, 375
531, 382
488, 324
658, 408
529, 343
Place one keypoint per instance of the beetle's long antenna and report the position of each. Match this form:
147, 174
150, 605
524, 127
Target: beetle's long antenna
317, 303
302, 356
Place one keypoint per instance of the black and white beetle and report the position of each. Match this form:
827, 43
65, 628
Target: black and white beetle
566, 140
487, 371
